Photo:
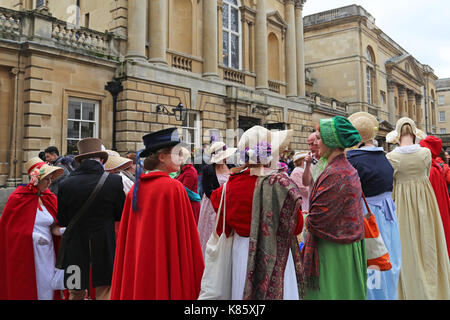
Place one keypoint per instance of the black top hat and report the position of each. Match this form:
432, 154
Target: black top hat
160, 139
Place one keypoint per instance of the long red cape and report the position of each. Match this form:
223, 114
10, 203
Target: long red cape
158, 254
440, 190
17, 270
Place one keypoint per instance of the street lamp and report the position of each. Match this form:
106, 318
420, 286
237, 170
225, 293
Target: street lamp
179, 111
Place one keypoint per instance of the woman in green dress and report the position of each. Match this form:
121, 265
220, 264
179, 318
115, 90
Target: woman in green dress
334, 256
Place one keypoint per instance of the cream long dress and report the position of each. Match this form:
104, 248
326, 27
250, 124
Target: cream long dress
425, 273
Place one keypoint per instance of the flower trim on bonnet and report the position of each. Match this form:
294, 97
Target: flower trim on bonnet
258, 154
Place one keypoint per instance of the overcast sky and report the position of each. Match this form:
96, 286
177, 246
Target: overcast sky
421, 27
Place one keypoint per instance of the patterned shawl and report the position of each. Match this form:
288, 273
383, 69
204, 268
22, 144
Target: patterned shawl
335, 214
276, 202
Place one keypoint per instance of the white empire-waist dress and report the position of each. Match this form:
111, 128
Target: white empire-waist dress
44, 254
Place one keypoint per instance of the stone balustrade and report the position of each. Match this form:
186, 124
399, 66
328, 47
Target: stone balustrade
233, 75
10, 24
45, 29
181, 62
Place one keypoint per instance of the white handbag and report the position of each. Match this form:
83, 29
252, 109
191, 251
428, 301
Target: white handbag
216, 280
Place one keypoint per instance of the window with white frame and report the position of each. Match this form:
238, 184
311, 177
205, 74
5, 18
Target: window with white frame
231, 34
441, 100
441, 116
191, 130
443, 131
369, 84
82, 122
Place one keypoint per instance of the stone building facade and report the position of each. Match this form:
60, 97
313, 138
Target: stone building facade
443, 110
352, 60
71, 69
112, 69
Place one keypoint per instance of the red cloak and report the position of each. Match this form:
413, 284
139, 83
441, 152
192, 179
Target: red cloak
439, 185
189, 178
158, 254
17, 270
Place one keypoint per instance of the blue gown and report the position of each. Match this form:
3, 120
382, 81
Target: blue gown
376, 175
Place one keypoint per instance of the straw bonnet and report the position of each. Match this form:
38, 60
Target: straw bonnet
366, 124
186, 154
219, 151
44, 169
394, 136
112, 152
90, 148
117, 162
299, 155
256, 135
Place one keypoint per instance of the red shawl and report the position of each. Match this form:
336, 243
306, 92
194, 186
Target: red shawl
335, 213
17, 270
158, 254
439, 185
189, 178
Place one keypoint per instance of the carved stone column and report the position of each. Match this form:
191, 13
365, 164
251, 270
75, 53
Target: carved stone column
301, 86
391, 101
419, 112
402, 101
291, 49
411, 104
261, 59
136, 29
210, 58
158, 31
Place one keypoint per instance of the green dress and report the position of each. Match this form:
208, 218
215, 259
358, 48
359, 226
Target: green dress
343, 272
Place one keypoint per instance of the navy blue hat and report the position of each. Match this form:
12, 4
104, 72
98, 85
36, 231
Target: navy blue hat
160, 139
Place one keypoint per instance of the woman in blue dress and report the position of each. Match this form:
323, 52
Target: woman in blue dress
376, 175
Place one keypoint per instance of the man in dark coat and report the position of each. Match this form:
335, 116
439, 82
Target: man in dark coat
52, 157
92, 243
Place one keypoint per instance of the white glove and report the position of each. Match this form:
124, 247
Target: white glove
40, 239
62, 230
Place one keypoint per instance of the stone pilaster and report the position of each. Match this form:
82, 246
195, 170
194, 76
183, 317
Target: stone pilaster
158, 31
261, 59
411, 104
391, 101
402, 101
136, 29
301, 86
291, 50
210, 56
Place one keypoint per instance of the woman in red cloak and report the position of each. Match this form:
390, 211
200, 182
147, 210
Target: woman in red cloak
29, 237
438, 183
158, 254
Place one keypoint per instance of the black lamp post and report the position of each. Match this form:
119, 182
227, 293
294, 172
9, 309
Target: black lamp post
179, 111
114, 87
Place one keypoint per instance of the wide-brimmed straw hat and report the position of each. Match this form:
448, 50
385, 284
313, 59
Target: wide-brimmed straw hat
186, 154
260, 136
299, 155
116, 162
44, 169
394, 136
366, 124
219, 151
90, 148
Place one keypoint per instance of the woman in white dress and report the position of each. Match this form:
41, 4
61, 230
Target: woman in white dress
28, 231
263, 214
214, 176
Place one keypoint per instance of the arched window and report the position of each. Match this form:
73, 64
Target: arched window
181, 28
370, 75
231, 32
369, 84
274, 57
370, 56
